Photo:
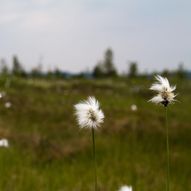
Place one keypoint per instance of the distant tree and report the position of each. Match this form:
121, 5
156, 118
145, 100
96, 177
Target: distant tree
99, 70
109, 67
3, 67
181, 73
133, 69
17, 67
106, 67
165, 73
37, 71
57, 73
50, 74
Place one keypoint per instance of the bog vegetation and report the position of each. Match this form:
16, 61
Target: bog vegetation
48, 152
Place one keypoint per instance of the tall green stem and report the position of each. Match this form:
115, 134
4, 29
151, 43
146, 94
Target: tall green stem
94, 157
167, 154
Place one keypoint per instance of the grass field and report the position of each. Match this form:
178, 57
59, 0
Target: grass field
48, 151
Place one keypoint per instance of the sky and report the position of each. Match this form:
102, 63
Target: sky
73, 35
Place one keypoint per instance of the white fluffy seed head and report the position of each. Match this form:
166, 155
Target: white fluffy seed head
8, 104
126, 188
134, 107
165, 91
88, 113
4, 143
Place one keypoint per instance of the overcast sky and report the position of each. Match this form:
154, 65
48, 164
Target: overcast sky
73, 34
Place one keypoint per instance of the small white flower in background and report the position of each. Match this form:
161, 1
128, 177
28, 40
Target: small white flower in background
4, 143
2, 94
8, 104
165, 91
126, 188
133, 107
88, 113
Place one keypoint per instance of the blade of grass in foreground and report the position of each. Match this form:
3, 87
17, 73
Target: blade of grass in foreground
94, 157
167, 152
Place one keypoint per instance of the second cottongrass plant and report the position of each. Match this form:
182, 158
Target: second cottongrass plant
165, 96
90, 116
4, 143
126, 188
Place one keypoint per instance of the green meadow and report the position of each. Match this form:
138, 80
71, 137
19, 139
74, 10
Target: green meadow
49, 152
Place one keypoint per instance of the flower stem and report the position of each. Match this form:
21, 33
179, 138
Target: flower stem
94, 157
167, 153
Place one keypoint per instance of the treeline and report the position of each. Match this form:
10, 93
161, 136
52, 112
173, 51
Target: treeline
105, 68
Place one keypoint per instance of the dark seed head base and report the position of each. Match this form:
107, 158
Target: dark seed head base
165, 102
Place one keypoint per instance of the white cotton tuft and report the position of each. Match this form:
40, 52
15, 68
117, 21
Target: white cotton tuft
134, 107
165, 91
88, 113
126, 188
8, 105
4, 143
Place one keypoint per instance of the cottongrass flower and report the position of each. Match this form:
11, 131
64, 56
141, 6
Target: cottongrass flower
89, 115
4, 143
165, 91
2, 94
165, 96
8, 105
134, 107
126, 188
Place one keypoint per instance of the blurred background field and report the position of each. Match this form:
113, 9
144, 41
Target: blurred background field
48, 152
55, 53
